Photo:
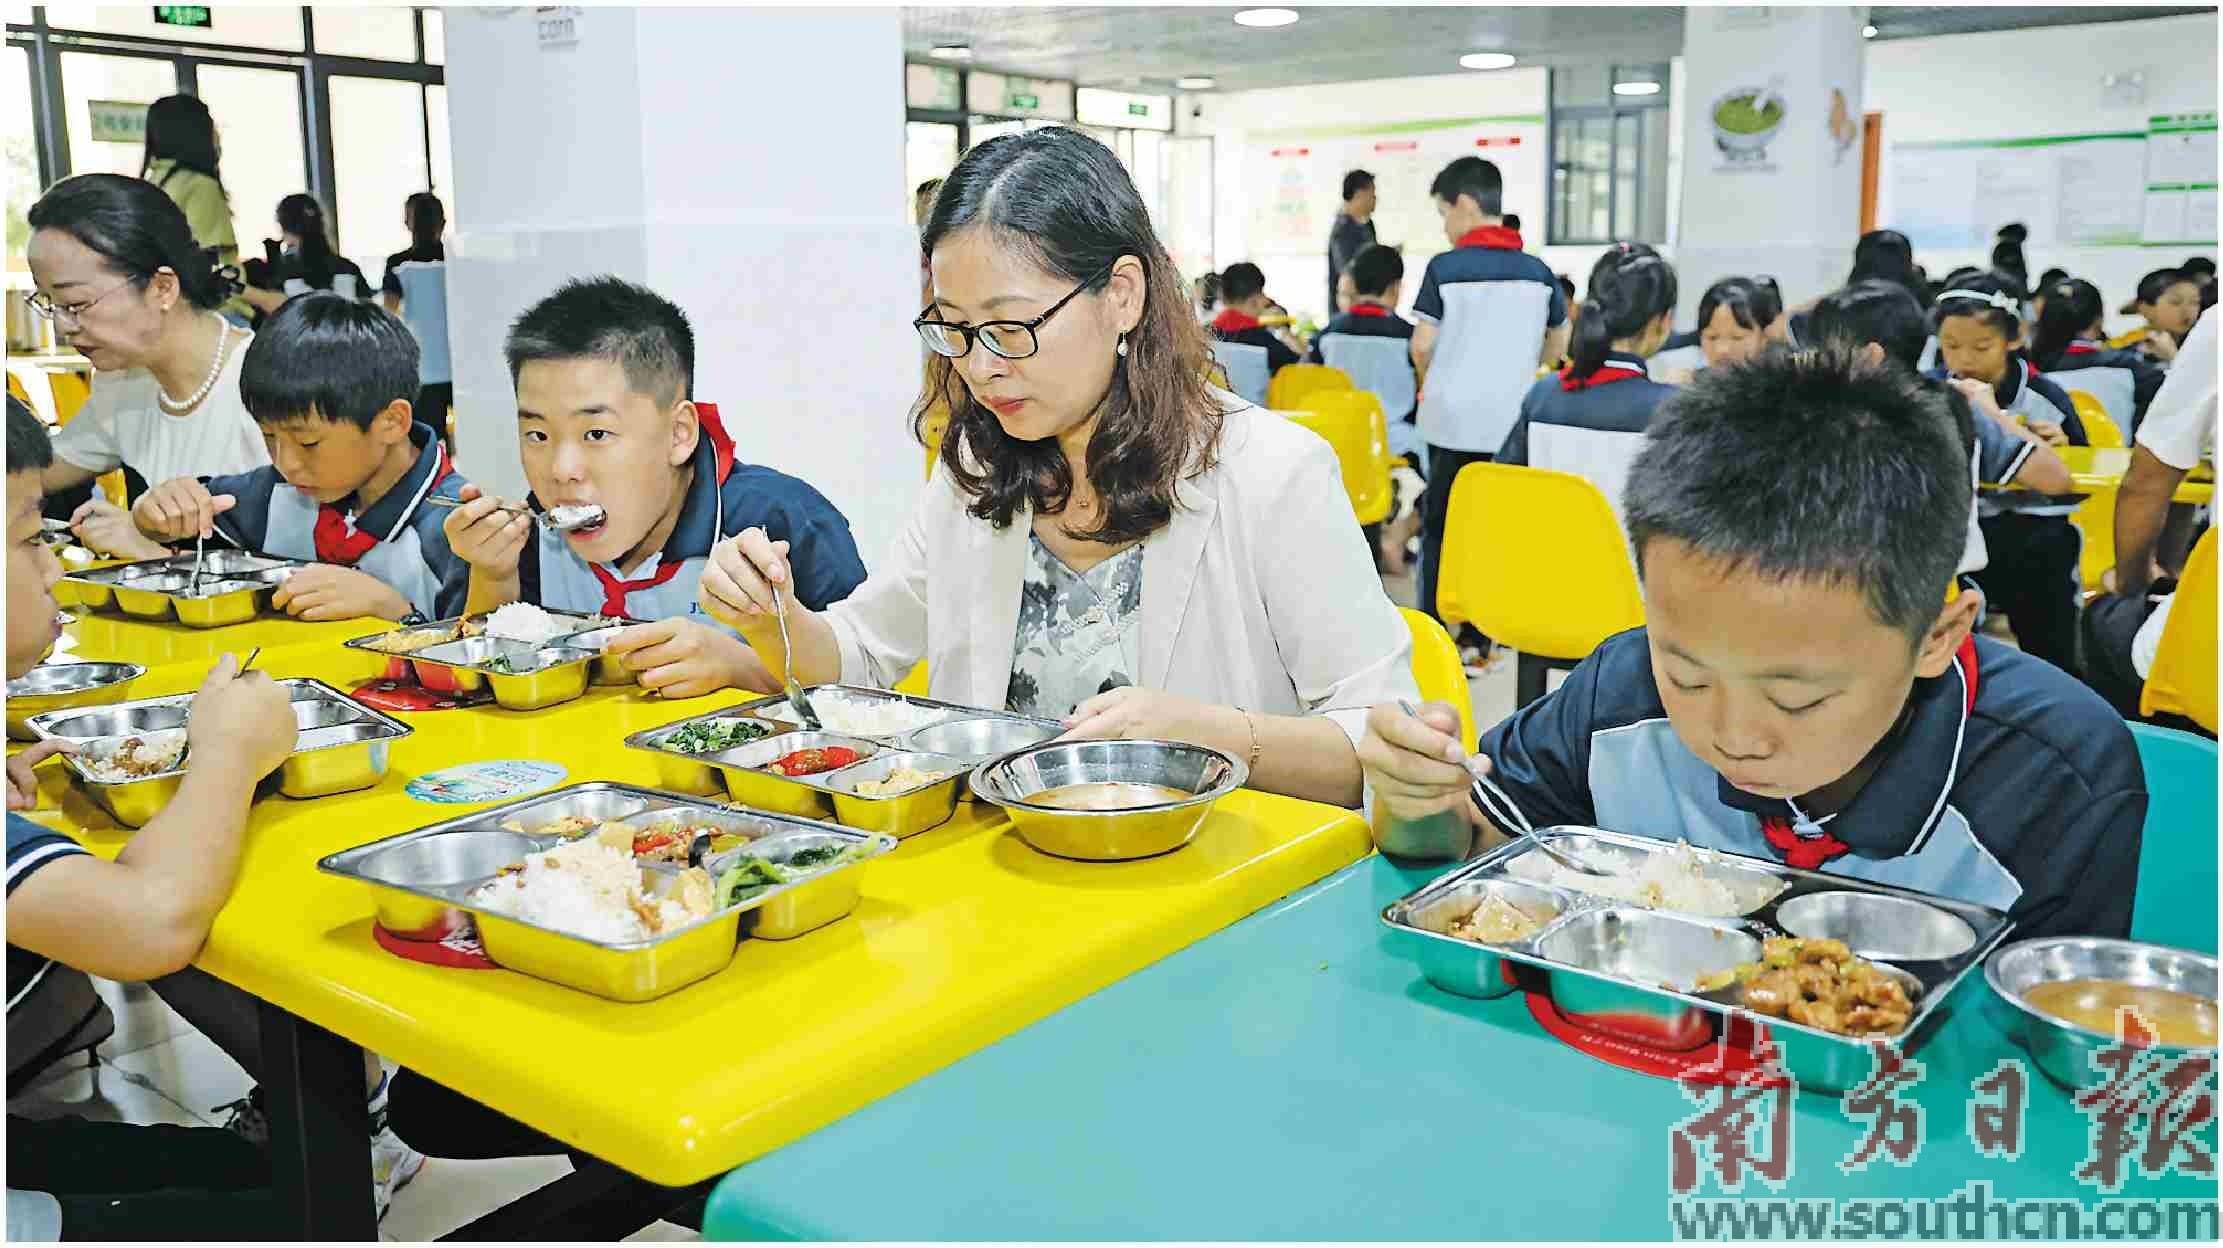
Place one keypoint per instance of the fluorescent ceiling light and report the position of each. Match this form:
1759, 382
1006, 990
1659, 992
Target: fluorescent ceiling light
1194, 84
1636, 88
1867, 32
951, 52
1487, 60
1265, 17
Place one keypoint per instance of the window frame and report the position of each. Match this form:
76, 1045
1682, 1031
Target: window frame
1611, 110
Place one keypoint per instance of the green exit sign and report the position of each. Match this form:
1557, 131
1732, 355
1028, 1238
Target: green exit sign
1025, 101
1138, 110
194, 15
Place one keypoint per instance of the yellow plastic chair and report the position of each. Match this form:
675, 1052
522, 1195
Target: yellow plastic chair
1297, 382
16, 391
2099, 428
2183, 678
915, 683
70, 392
1354, 424
2094, 519
1437, 671
1535, 559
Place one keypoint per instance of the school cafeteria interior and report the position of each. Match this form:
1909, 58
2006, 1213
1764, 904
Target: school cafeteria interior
973, 622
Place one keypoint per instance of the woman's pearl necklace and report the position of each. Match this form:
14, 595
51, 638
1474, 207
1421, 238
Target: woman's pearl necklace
208, 383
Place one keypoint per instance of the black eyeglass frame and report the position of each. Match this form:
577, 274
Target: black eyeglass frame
929, 326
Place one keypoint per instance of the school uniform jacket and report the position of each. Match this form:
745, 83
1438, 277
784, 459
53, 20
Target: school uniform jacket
1591, 426
1492, 303
1374, 345
2005, 782
1240, 327
2124, 382
2025, 392
398, 539
724, 498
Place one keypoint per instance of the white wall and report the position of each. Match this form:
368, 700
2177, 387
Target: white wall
2019, 83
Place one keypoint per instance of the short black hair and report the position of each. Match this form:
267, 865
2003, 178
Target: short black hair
331, 357
2155, 284
1877, 311
1375, 269
2202, 267
1355, 181
1868, 487
1241, 280
1751, 303
1475, 178
29, 449
609, 318
1995, 297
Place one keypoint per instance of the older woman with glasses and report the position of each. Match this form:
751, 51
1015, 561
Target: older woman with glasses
126, 284
1108, 538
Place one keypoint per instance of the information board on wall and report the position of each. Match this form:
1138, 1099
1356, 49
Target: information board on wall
2126, 188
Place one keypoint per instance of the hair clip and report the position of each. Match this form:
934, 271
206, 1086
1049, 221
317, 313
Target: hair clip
1996, 298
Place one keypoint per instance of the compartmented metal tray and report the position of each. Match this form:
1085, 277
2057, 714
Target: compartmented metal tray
424, 881
447, 655
342, 746
948, 738
234, 587
1615, 967
65, 685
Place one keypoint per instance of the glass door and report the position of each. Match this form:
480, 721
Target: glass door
258, 128
104, 99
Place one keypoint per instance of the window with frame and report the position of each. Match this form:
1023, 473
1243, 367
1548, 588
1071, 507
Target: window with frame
1608, 149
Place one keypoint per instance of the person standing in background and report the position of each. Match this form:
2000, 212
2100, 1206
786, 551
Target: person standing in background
181, 158
1353, 230
427, 219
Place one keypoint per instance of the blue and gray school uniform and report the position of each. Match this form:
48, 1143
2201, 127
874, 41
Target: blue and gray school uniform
1375, 346
2026, 393
1492, 304
1679, 353
2124, 382
398, 539
723, 499
2006, 782
1592, 427
30, 846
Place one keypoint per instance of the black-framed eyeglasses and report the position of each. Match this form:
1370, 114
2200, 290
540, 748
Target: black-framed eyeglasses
43, 304
1013, 340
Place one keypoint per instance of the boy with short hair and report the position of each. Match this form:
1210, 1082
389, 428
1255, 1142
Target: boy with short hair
1369, 340
332, 381
606, 416
1802, 692
1488, 315
143, 915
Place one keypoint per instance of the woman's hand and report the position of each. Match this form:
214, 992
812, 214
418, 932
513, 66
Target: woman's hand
1415, 767
744, 577
1150, 713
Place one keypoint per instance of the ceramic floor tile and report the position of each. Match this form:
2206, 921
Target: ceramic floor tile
192, 1071
108, 1095
447, 1194
142, 1019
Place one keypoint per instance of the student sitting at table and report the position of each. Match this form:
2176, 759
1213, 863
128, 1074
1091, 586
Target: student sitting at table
1373, 344
1107, 539
1736, 320
1802, 692
2031, 574
1243, 299
1590, 418
145, 914
606, 415
2168, 300
331, 380
2066, 346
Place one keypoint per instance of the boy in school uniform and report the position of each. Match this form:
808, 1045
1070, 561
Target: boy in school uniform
604, 371
332, 381
1802, 692
1244, 302
1488, 314
1373, 344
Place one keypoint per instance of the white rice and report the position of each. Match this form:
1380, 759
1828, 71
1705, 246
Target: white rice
522, 621
1671, 879
870, 717
582, 887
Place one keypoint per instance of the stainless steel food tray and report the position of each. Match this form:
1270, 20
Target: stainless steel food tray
956, 740
235, 586
342, 746
1605, 961
423, 881
524, 675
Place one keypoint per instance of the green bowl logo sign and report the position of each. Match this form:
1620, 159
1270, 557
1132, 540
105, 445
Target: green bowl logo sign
1745, 120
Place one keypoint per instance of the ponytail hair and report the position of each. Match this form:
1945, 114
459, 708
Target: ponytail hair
303, 217
1631, 286
137, 230
2072, 307
2006, 254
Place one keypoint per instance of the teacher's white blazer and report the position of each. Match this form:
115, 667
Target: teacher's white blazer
1259, 594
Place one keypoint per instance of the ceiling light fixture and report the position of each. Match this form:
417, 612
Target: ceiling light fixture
951, 52
1195, 84
1265, 18
1636, 88
1487, 60
1867, 32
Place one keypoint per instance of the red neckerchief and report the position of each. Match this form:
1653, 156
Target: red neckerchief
1367, 309
339, 541
1609, 373
1491, 236
1235, 321
721, 442
1808, 853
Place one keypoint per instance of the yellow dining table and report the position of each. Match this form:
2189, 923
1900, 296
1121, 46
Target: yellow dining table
2095, 468
965, 935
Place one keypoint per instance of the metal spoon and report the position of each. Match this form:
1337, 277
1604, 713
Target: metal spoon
567, 518
1521, 826
193, 586
795, 695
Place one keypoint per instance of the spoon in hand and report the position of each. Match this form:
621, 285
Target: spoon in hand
795, 695
1520, 826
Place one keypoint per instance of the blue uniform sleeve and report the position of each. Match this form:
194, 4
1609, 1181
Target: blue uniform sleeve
1999, 454
31, 846
1515, 449
1428, 305
821, 549
247, 524
447, 567
1540, 755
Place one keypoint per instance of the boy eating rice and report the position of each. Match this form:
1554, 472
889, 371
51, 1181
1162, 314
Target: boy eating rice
1799, 693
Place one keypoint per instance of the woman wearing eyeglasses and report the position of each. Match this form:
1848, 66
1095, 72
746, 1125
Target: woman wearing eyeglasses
1108, 538
126, 285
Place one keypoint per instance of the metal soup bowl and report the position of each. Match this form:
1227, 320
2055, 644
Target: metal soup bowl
2062, 1049
1016, 780
65, 686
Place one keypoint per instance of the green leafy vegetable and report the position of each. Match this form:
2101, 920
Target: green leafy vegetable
711, 735
747, 878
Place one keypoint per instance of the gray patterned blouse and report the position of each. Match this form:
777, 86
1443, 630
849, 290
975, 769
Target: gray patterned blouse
1079, 633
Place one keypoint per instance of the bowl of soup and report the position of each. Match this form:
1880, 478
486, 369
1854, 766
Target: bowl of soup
2069, 997
1108, 801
